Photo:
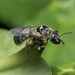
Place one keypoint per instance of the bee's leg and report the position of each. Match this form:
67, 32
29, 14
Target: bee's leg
42, 46
28, 44
38, 47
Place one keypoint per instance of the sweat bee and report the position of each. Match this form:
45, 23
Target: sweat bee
39, 34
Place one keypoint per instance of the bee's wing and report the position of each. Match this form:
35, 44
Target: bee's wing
21, 30
22, 33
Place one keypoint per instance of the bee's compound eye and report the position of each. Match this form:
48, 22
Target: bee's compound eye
54, 38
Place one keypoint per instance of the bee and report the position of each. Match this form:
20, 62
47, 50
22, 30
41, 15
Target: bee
39, 36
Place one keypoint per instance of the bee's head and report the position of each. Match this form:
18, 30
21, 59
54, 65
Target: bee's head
55, 37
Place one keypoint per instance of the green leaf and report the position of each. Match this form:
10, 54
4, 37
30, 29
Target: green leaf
67, 72
21, 64
55, 70
7, 45
60, 71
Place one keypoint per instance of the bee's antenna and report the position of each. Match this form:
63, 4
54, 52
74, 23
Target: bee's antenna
66, 33
62, 42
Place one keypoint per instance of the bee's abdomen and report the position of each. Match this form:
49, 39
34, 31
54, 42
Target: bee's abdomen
19, 39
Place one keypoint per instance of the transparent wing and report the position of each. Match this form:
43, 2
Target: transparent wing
22, 30
22, 33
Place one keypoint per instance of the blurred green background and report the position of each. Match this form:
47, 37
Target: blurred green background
57, 14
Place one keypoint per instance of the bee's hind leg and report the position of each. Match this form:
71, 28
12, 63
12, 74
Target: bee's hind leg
28, 44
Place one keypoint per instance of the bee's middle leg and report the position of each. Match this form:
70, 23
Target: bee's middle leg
40, 47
